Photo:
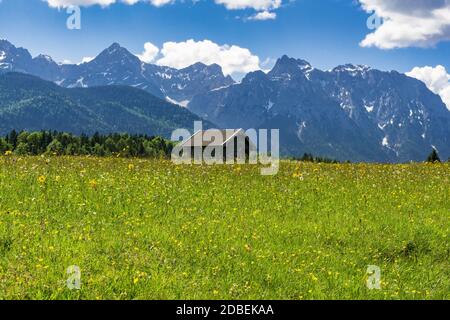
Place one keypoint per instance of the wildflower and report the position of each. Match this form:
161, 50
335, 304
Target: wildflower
313, 277
42, 179
8, 153
93, 183
297, 175
131, 167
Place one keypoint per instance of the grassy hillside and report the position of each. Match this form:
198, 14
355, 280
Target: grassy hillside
143, 229
32, 104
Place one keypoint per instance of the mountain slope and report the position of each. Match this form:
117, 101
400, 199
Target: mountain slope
29, 103
405, 117
117, 66
351, 112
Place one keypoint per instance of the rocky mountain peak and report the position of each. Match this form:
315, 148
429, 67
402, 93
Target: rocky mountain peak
287, 67
351, 68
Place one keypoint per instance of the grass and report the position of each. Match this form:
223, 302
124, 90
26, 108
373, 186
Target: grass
147, 229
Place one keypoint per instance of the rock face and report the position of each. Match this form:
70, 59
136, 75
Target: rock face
117, 66
349, 113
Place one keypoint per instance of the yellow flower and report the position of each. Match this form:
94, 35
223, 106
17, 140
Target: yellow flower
136, 280
42, 179
93, 183
313, 277
8, 153
131, 167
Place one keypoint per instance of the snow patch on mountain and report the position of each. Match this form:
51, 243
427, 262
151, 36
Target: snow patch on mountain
369, 108
183, 104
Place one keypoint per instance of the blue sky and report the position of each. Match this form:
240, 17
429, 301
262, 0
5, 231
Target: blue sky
324, 32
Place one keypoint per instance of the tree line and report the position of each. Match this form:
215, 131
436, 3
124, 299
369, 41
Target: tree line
116, 144
63, 143
433, 157
308, 157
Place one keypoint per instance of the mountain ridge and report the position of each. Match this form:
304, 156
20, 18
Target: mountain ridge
350, 112
32, 104
376, 115
116, 65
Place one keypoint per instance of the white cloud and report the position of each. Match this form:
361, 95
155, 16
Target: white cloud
150, 53
436, 79
263, 15
259, 5
250, 4
103, 3
418, 23
229, 4
160, 3
232, 59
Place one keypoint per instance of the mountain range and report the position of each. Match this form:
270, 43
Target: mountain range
351, 112
117, 66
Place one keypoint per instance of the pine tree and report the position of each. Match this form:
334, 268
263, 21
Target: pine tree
433, 157
11, 138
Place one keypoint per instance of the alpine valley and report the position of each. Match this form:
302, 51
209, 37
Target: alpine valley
351, 112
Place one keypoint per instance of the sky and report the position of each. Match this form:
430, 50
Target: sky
243, 35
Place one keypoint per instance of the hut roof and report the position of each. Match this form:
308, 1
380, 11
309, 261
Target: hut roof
206, 138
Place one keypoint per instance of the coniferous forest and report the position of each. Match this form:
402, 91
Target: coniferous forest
62, 143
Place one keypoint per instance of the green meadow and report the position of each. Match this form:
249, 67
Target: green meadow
148, 229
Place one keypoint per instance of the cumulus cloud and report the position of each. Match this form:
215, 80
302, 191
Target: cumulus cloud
229, 4
250, 4
436, 79
263, 6
232, 59
418, 23
103, 3
263, 15
150, 53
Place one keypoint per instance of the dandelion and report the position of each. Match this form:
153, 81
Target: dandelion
297, 175
93, 183
42, 179
8, 153
131, 167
